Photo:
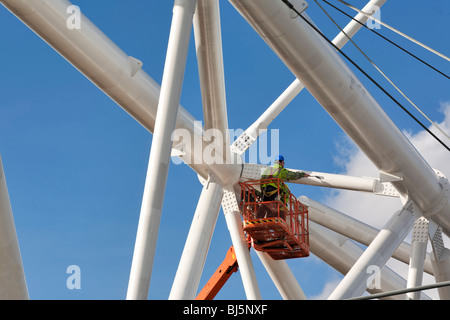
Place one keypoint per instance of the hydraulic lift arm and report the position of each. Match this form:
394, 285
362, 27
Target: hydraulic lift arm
220, 277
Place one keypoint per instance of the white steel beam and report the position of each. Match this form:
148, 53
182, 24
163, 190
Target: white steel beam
90, 51
192, 261
378, 252
245, 140
440, 259
341, 253
208, 43
419, 243
329, 180
158, 166
353, 26
13, 285
234, 223
210, 63
282, 277
320, 68
441, 266
354, 229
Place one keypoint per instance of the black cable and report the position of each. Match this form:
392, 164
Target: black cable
379, 70
363, 72
388, 40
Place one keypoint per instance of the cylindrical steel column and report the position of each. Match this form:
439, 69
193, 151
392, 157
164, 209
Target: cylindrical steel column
323, 72
376, 254
197, 244
158, 167
13, 285
282, 277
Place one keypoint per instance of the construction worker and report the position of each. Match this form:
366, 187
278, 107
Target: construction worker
270, 189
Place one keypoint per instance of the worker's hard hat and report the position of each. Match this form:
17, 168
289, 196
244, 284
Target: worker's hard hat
279, 158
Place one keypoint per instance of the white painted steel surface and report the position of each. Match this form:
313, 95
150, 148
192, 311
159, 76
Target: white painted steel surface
90, 51
158, 165
441, 266
354, 229
282, 277
324, 74
418, 253
13, 284
262, 123
344, 97
377, 253
253, 171
341, 253
208, 43
234, 223
192, 260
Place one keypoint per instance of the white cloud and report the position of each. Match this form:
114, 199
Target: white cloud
327, 290
376, 210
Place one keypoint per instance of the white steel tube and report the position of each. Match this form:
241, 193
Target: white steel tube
441, 266
354, 229
341, 254
233, 219
337, 181
90, 51
234, 223
250, 135
13, 285
353, 26
334, 85
419, 243
208, 43
282, 277
158, 166
321, 179
297, 86
192, 261
377, 253
416, 267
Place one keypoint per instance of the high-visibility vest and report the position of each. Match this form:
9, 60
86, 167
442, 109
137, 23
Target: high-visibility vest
272, 172
275, 172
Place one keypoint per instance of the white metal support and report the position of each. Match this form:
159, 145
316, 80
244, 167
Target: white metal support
246, 139
282, 277
253, 171
208, 43
353, 26
354, 229
159, 160
197, 244
440, 260
377, 253
13, 285
122, 78
341, 253
419, 243
335, 86
97, 57
234, 222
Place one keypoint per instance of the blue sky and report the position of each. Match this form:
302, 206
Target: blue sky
75, 162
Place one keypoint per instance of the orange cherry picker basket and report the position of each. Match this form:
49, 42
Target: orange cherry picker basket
278, 227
